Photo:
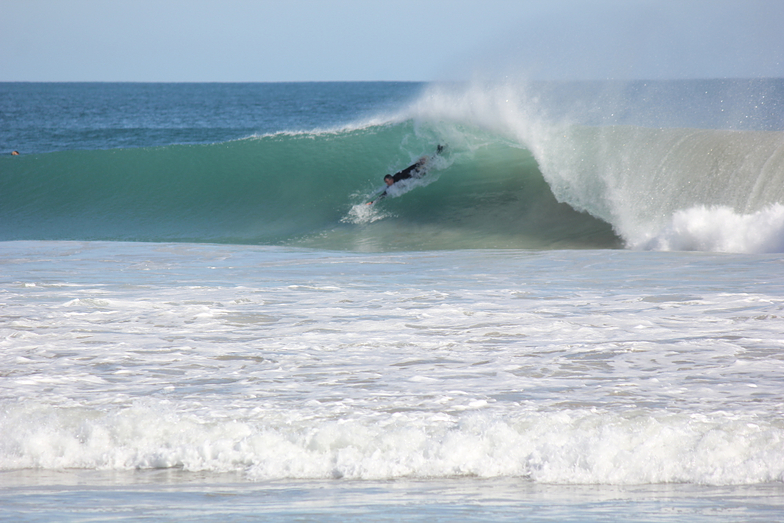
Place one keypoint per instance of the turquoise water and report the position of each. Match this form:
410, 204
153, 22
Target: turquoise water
574, 315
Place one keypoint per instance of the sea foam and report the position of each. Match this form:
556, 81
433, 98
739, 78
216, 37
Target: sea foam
721, 229
572, 446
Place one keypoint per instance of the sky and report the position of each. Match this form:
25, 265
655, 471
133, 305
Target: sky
387, 40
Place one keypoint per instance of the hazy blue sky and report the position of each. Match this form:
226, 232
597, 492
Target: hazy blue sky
323, 40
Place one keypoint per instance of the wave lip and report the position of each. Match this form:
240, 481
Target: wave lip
633, 162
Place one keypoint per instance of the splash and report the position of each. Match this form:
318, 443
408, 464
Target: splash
363, 213
721, 229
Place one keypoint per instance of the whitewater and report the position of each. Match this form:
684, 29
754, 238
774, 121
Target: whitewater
574, 315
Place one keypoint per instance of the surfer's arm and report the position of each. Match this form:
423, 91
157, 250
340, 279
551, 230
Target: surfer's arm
378, 198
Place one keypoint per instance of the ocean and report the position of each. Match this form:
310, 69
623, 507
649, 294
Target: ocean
574, 314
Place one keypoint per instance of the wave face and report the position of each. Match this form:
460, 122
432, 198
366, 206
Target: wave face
527, 167
297, 189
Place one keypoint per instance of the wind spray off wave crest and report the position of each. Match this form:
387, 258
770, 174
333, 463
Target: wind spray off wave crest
620, 159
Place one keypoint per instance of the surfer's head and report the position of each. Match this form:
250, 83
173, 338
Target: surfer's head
388, 179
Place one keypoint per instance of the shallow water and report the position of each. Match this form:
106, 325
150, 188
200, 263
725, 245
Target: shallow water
565, 367
171, 495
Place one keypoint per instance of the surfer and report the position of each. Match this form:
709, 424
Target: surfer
409, 172
405, 174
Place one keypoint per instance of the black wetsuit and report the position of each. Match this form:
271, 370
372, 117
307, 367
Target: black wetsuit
405, 174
